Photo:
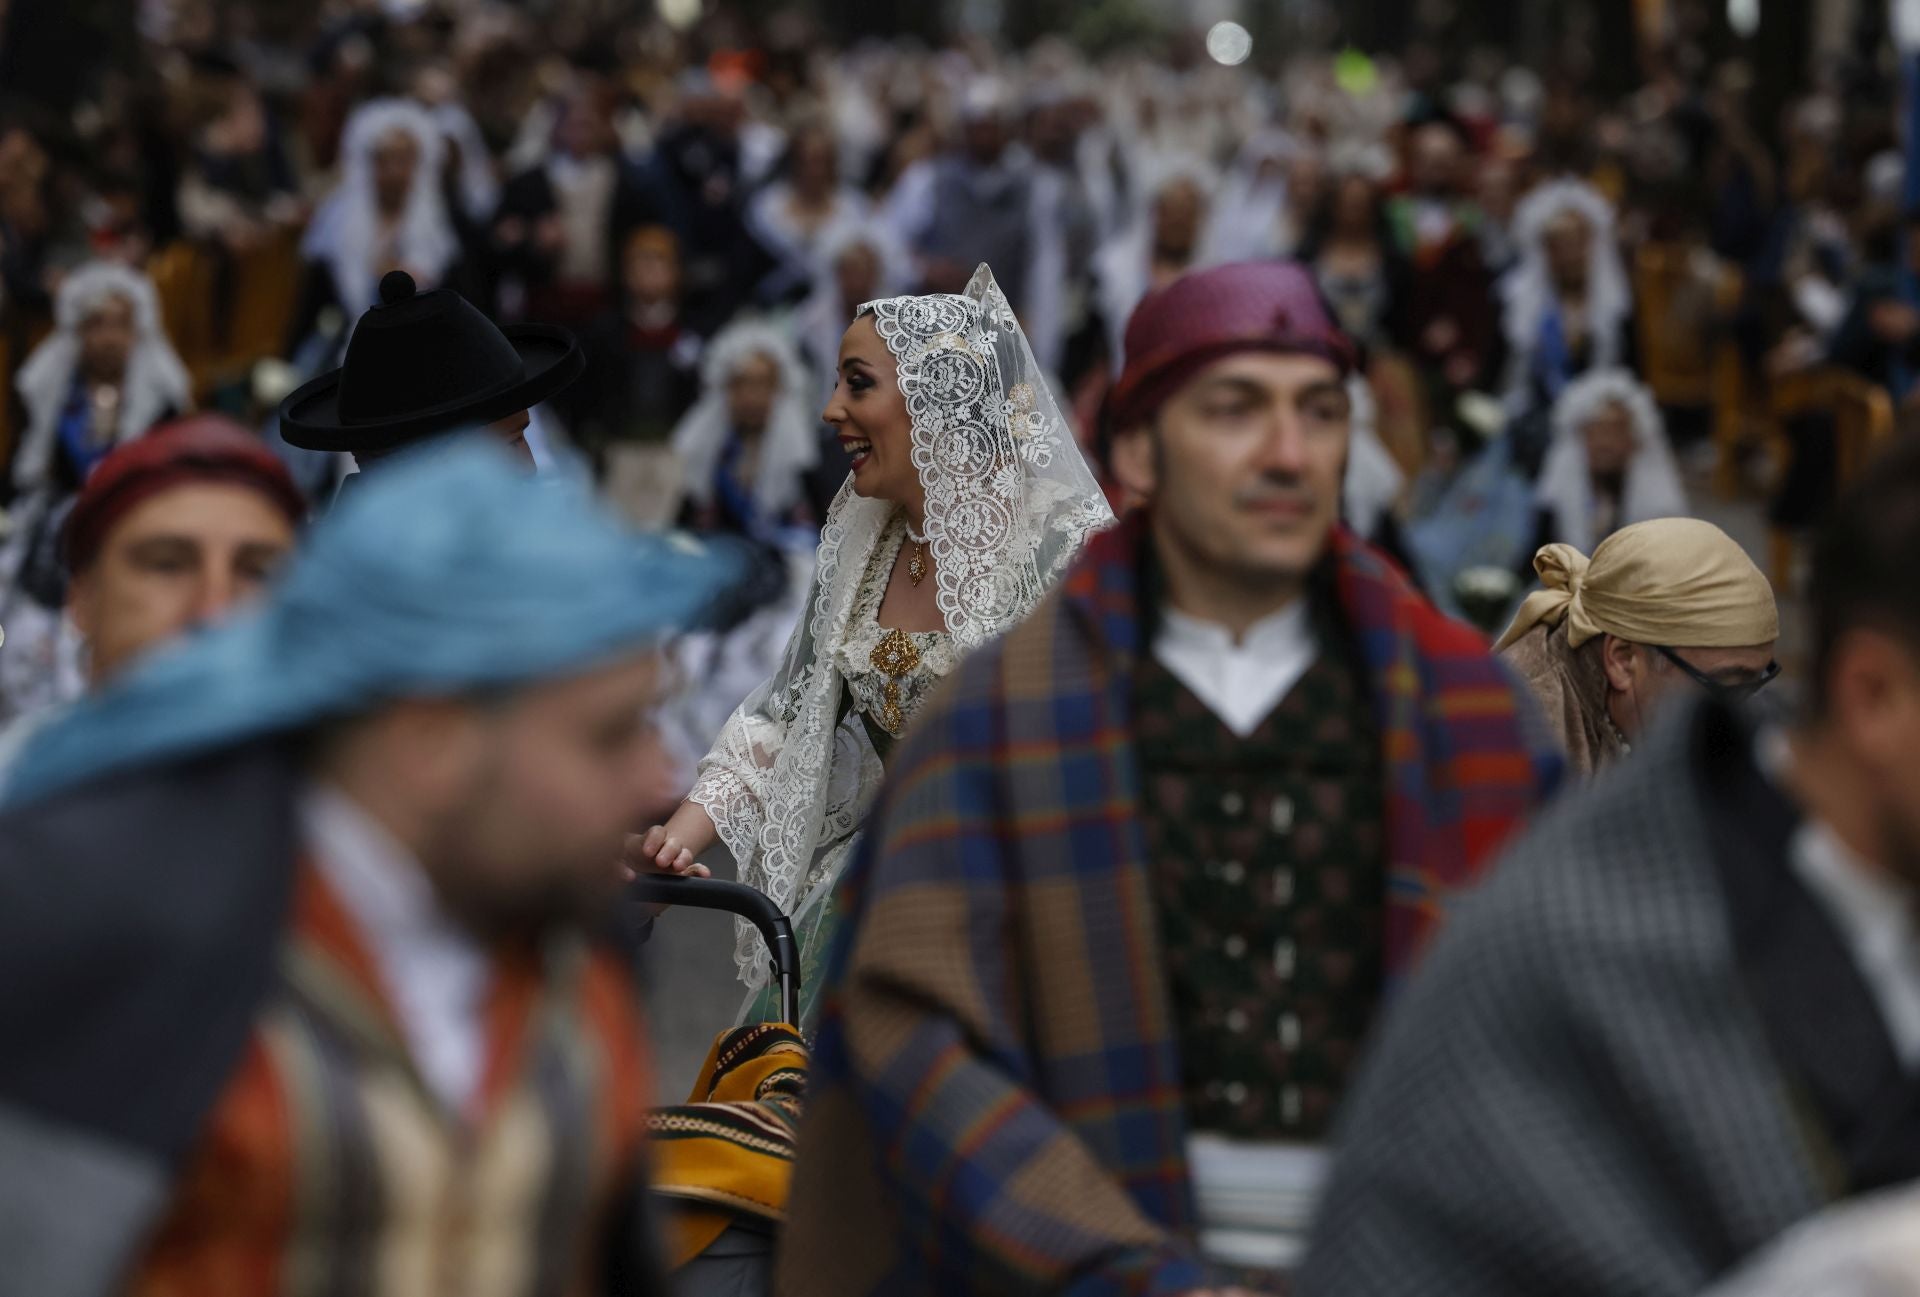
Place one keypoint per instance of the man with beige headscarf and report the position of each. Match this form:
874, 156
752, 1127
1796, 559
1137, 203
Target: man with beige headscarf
1661, 607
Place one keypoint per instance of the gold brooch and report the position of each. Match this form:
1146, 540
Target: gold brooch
895, 657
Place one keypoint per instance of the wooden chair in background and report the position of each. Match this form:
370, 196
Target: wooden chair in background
1863, 418
183, 281
1684, 297
223, 325
1400, 410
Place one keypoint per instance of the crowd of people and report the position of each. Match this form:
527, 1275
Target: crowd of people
1179, 583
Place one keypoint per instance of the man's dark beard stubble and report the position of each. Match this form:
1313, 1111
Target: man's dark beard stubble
528, 908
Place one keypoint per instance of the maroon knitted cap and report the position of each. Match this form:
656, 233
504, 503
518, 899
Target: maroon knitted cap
1198, 318
198, 448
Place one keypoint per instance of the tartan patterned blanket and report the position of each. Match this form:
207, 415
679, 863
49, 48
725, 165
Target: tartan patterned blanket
994, 1104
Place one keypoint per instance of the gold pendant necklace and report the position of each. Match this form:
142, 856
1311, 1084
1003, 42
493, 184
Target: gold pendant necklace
917, 562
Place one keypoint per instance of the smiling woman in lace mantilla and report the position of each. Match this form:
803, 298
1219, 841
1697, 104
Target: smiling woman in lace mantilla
968, 498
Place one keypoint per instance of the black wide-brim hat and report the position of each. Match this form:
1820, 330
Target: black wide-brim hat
422, 364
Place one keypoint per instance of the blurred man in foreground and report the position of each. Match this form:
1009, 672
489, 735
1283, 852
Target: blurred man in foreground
1149, 864
1684, 1014
169, 533
1662, 608
295, 975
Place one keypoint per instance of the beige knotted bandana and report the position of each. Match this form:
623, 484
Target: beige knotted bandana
1672, 582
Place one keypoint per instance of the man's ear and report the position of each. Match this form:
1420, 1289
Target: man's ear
1871, 692
1616, 659
1134, 462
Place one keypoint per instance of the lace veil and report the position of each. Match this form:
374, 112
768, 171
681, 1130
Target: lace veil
1010, 500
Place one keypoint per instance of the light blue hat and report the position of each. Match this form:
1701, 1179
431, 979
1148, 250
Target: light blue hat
450, 572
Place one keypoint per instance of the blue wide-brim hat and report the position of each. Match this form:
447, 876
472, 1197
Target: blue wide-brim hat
450, 574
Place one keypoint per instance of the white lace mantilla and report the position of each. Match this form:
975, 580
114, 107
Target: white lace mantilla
1009, 502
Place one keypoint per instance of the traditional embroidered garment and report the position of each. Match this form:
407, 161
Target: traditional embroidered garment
1268, 862
996, 1102
889, 673
1641, 1053
329, 1162
727, 1152
1009, 500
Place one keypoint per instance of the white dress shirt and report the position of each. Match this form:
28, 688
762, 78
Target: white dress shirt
1240, 683
435, 975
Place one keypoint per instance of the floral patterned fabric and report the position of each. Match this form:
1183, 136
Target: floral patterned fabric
933, 655
1268, 862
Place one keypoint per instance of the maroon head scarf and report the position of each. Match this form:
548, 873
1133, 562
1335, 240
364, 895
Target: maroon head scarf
1198, 318
198, 448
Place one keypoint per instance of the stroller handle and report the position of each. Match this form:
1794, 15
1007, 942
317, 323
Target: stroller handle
749, 903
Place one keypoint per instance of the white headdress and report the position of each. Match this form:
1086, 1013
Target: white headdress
824, 314
1528, 288
1653, 487
1009, 502
790, 444
479, 186
345, 229
1246, 221
156, 380
1124, 267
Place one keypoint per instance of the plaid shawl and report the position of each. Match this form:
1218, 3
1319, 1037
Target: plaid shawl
994, 1105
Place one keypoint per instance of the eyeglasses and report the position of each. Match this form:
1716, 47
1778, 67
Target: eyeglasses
1731, 693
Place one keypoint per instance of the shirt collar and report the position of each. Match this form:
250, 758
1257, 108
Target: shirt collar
1287, 627
379, 881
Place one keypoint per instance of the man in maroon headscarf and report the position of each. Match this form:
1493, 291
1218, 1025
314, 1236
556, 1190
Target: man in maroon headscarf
1146, 869
169, 531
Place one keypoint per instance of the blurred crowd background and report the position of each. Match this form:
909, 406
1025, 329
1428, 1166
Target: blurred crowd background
1607, 261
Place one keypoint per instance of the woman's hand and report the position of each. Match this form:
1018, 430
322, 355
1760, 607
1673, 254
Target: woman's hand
673, 847
655, 853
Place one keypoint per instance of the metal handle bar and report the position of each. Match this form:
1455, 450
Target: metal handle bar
751, 904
